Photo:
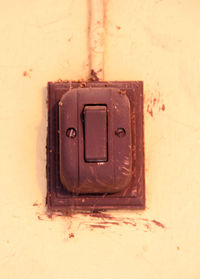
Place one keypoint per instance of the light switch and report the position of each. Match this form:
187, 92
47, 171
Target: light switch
95, 146
95, 137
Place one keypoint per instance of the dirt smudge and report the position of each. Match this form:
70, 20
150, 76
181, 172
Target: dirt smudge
163, 107
150, 110
71, 235
106, 220
154, 102
157, 223
27, 73
93, 226
36, 204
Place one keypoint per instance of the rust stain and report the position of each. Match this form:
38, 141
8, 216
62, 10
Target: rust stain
129, 223
118, 27
110, 223
40, 218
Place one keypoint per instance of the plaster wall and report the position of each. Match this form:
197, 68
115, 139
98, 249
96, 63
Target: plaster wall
150, 40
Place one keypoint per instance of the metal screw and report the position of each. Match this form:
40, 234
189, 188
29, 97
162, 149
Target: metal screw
120, 132
71, 133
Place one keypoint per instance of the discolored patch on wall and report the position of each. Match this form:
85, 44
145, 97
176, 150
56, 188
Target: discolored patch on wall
27, 73
153, 102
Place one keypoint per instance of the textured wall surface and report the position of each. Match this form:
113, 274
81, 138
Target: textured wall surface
151, 40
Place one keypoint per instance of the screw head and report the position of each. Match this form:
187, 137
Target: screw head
71, 133
120, 132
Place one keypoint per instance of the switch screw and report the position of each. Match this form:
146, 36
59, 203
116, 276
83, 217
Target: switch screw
71, 133
120, 132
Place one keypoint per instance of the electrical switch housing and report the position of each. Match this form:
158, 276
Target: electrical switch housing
95, 146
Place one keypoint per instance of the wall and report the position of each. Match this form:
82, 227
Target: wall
151, 40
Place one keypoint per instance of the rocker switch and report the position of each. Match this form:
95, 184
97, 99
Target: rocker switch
95, 137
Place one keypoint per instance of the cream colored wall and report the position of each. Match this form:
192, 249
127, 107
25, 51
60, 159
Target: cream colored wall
150, 40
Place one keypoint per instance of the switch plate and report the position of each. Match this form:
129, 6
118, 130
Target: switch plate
132, 195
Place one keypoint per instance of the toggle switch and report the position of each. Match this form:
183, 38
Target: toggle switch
95, 121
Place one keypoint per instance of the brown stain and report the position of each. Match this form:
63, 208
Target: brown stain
49, 214
97, 226
118, 27
27, 73
153, 103
94, 75
147, 226
163, 107
157, 223
178, 248
71, 235
129, 223
101, 215
104, 220
35, 204
150, 110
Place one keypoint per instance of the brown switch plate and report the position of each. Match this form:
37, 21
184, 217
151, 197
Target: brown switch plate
133, 196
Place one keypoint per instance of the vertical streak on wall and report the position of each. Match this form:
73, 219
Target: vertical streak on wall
96, 37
